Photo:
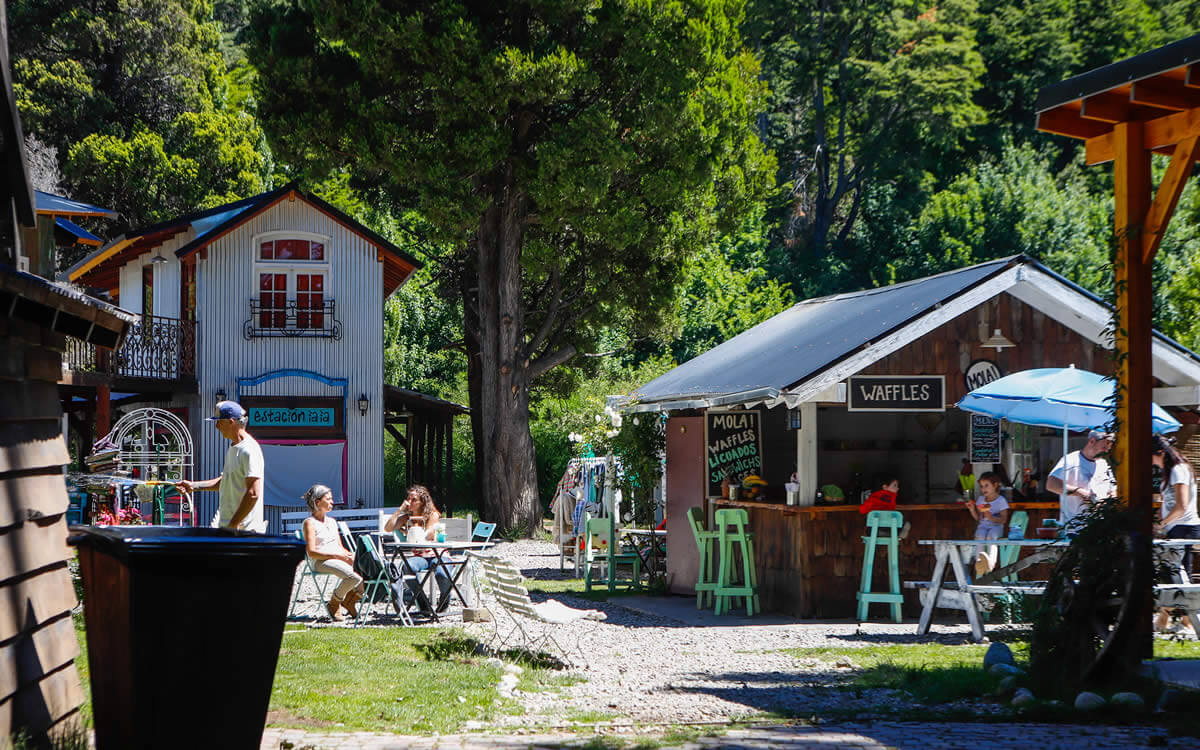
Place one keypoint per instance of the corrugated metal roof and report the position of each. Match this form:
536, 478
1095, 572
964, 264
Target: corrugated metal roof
57, 205
83, 235
811, 335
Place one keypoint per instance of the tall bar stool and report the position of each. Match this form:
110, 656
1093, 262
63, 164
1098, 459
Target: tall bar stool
888, 520
706, 544
731, 531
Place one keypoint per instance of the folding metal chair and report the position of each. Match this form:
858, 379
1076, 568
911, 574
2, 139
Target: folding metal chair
483, 532
371, 586
309, 572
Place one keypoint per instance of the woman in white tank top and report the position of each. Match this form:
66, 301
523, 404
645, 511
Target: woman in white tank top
327, 554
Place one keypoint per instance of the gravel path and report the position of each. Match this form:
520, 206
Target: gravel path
647, 669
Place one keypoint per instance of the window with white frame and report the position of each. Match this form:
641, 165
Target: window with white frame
292, 276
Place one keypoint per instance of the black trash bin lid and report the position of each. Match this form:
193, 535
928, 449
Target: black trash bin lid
123, 542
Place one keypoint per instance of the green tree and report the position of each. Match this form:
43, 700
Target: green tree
573, 154
203, 160
855, 85
1008, 206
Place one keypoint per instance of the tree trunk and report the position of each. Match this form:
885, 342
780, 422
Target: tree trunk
508, 474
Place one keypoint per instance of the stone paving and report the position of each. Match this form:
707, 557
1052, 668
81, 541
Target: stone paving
859, 736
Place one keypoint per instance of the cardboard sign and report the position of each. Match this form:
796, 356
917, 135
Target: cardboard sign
985, 440
734, 447
896, 393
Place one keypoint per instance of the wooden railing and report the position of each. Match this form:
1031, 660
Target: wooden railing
154, 347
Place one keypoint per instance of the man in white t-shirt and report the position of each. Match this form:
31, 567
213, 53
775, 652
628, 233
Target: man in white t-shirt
1086, 477
241, 480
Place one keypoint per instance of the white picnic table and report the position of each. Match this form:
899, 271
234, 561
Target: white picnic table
962, 592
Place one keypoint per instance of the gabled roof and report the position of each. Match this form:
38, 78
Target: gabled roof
818, 342
56, 205
99, 269
81, 235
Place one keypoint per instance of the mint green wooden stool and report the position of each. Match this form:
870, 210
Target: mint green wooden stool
888, 520
706, 544
731, 532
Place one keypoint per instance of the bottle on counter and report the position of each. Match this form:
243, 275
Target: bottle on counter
819, 497
725, 488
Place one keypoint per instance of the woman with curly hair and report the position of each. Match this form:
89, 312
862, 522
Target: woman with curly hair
417, 518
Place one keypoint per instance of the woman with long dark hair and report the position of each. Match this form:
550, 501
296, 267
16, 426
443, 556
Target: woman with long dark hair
1179, 517
417, 518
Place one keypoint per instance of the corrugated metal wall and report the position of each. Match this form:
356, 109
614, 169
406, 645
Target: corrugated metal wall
226, 281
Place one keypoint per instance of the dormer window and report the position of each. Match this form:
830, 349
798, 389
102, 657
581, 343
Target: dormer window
292, 282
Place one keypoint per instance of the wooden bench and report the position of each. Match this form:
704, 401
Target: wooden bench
505, 588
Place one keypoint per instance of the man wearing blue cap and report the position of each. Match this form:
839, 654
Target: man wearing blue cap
241, 480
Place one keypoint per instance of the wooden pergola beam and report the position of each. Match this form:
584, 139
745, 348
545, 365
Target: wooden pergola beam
1192, 78
1064, 122
1157, 134
1159, 94
1167, 196
1106, 107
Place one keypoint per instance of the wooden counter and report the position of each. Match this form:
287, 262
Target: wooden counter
810, 557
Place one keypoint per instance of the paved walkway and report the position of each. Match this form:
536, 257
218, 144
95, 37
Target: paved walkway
880, 735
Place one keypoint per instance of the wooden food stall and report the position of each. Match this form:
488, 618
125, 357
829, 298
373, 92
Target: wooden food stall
842, 391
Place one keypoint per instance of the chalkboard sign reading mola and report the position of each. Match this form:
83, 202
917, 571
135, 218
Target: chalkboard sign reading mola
734, 447
985, 439
897, 393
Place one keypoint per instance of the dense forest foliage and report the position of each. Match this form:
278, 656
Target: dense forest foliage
899, 136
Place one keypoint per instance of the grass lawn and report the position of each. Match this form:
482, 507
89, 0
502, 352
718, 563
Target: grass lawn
936, 673
404, 680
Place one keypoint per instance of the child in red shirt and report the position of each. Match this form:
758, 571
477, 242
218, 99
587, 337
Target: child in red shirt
883, 498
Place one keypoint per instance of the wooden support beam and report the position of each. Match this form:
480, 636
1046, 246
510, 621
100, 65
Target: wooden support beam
1192, 79
1063, 122
1158, 94
103, 411
396, 434
1167, 196
1106, 107
1162, 132
1131, 179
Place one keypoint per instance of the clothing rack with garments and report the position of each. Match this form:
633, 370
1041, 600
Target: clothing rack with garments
580, 490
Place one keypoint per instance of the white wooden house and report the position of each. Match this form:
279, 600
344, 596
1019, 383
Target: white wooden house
275, 301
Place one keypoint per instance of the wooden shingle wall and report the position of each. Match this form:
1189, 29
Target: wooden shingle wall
39, 686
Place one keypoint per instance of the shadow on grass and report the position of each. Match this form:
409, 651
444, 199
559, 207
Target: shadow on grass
457, 646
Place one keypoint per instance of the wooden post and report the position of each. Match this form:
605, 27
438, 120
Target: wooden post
1131, 177
103, 411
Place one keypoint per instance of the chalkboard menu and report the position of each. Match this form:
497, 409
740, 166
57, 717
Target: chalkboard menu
734, 447
985, 439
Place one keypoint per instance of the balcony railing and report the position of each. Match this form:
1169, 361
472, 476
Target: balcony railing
154, 347
292, 321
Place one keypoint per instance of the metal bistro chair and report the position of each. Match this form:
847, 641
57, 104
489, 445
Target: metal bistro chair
371, 586
309, 572
483, 532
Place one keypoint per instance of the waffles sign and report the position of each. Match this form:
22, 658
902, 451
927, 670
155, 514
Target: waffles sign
897, 393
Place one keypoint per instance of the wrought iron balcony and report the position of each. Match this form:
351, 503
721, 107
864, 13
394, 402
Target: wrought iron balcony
155, 347
292, 321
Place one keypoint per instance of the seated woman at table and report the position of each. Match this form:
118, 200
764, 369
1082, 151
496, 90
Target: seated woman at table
418, 511
990, 510
327, 554
1179, 516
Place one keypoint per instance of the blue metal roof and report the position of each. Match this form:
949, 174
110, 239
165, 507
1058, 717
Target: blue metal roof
84, 235
812, 335
60, 206
205, 225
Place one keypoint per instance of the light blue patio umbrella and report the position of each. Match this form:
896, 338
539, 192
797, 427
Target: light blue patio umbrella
1062, 397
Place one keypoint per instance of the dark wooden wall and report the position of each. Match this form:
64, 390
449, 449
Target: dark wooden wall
810, 561
39, 686
951, 348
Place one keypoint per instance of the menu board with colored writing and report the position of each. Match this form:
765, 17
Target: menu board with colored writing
734, 447
985, 439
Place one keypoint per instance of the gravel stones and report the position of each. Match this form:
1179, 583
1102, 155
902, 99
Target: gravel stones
1128, 700
1023, 697
1088, 701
